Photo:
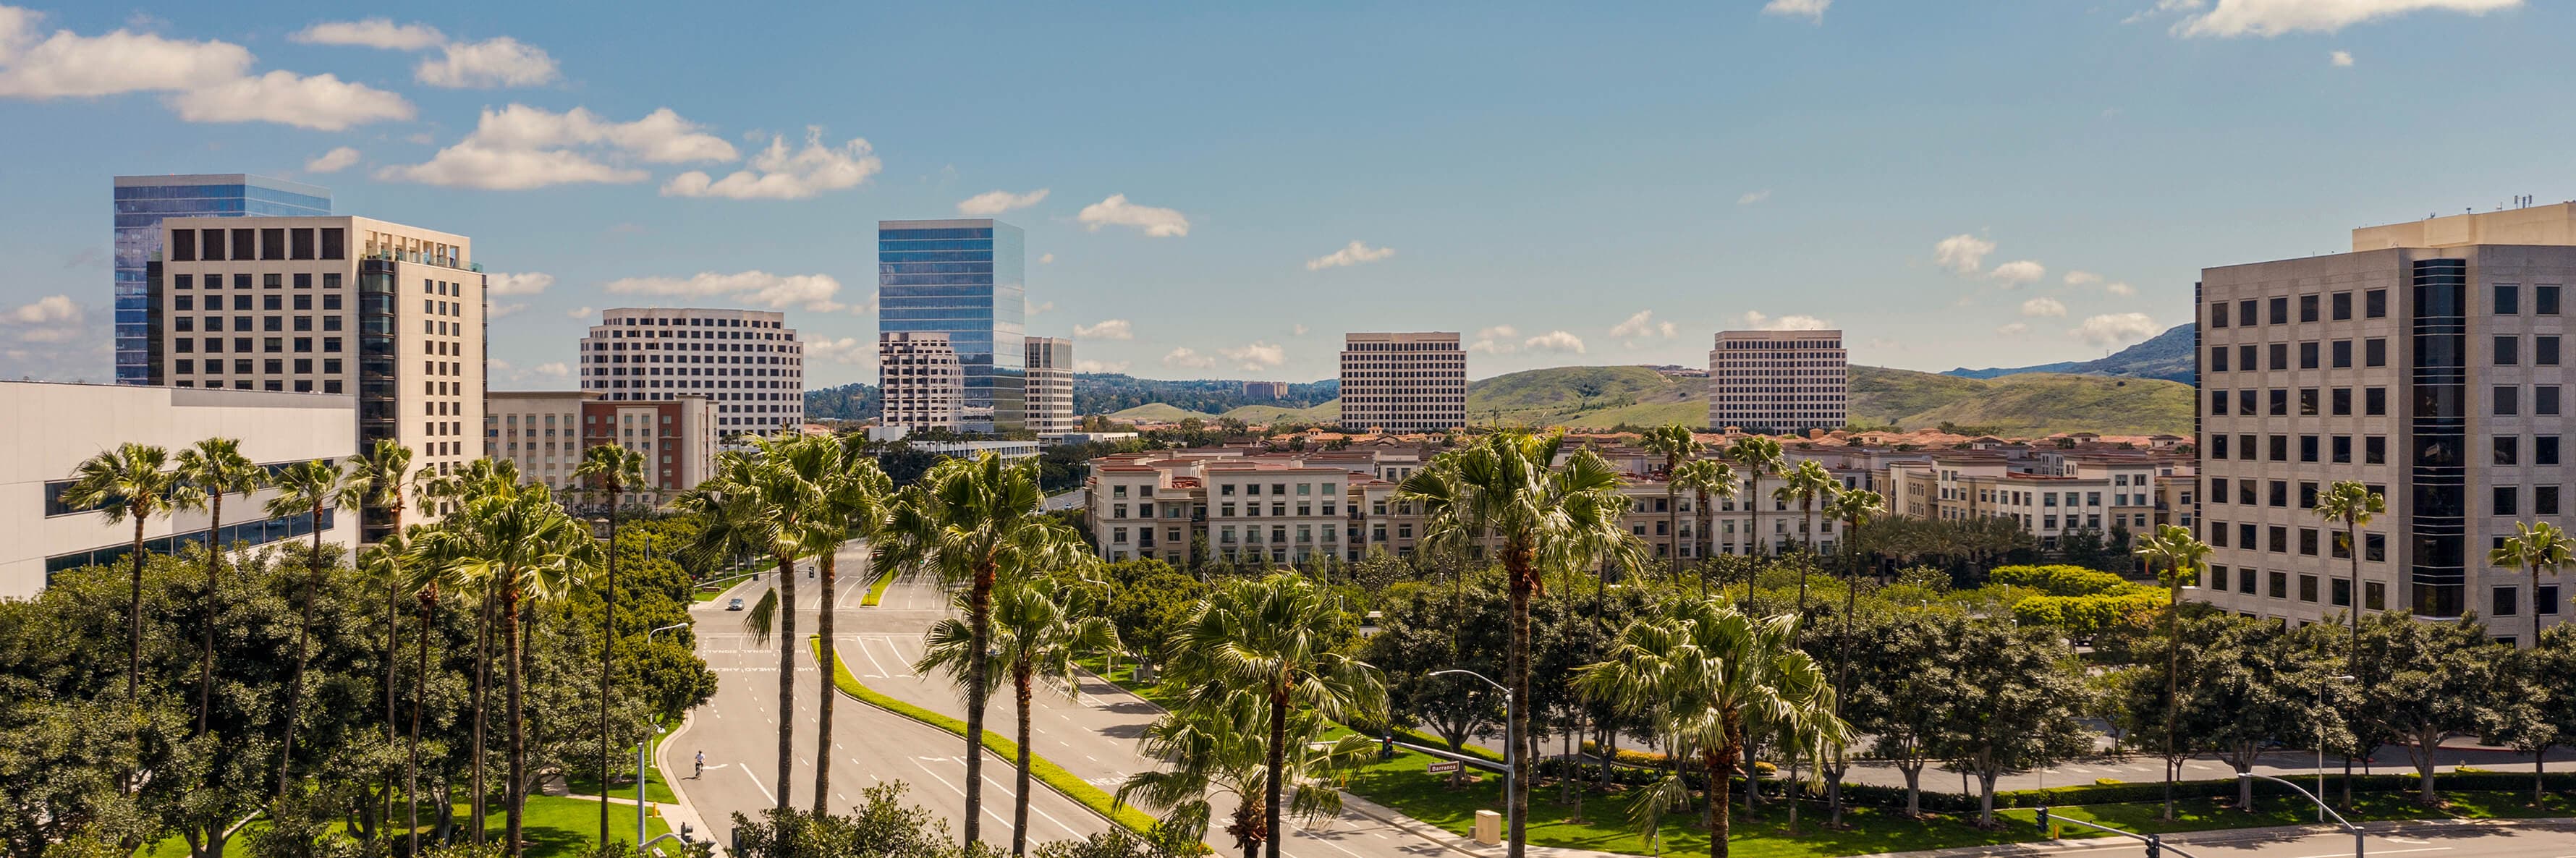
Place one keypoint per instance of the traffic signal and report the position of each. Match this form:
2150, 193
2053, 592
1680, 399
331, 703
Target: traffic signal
2043, 820
2155, 845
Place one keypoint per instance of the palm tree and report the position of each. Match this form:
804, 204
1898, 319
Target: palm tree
428, 572
1807, 483
211, 469
1854, 509
521, 545
1707, 479
388, 561
2352, 505
851, 496
1676, 444
1273, 639
308, 489
1547, 520
757, 503
1037, 633
612, 469
481, 478
2176, 557
1756, 456
1221, 746
384, 472
977, 523
2534, 548
1701, 672
127, 483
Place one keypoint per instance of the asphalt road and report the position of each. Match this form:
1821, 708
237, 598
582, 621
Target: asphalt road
2481, 842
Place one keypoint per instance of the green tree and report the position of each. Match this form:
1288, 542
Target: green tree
1038, 632
128, 483
2256, 684
2534, 549
1707, 480
1855, 509
611, 470
1422, 631
209, 470
1677, 445
2536, 701
308, 488
755, 503
1222, 745
2428, 683
1757, 456
1147, 599
2177, 558
2013, 706
1904, 685
1275, 639
2351, 504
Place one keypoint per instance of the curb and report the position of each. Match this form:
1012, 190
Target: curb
662, 750
2233, 835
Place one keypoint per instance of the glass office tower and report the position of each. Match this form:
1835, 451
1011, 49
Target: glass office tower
141, 203
965, 278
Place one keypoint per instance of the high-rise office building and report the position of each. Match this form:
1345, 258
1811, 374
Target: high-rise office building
919, 381
1779, 381
747, 361
1403, 382
1050, 387
965, 278
391, 313
546, 433
2425, 364
143, 201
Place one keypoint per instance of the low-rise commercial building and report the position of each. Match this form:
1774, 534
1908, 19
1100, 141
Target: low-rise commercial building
546, 433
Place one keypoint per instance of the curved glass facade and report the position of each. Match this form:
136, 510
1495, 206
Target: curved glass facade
967, 279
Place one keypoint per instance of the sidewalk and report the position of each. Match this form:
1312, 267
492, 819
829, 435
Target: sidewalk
2244, 835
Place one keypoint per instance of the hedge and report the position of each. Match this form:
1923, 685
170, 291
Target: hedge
876, 591
2059, 579
1041, 768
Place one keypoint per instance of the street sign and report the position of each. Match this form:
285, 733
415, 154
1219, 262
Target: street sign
1438, 768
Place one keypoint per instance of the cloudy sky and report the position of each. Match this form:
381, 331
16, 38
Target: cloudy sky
1222, 189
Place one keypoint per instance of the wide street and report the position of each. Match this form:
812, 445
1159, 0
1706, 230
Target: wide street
2444, 842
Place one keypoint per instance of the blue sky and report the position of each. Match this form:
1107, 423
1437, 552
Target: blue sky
1987, 183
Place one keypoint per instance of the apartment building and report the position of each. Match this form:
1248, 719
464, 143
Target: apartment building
1247, 507
1265, 390
1779, 382
1050, 386
393, 314
920, 381
2050, 495
2426, 364
747, 362
1403, 382
143, 202
49, 429
546, 433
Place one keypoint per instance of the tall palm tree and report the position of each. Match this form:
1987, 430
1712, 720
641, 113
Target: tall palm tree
1037, 633
1807, 483
308, 489
1707, 480
1703, 673
976, 523
478, 479
523, 546
1757, 456
383, 472
428, 572
756, 503
2177, 558
2351, 504
1222, 746
1273, 638
128, 483
1547, 519
612, 469
211, 469
2534, 548
388, 561
1676, 444
1854, 509
851, 496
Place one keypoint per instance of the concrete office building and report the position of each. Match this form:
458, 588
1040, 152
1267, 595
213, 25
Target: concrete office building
1779, 382
2425, 364
747, 362
919, 382
1265, 390
49, 429
965, 278
142, 202
1050, 386
1403, 382
546, 433
391, 313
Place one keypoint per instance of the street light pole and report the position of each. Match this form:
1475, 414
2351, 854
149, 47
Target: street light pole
2358, 844
1511, 747
2321, 753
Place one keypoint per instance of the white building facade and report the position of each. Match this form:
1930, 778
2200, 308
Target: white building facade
1779, 382
920, 381
1050, 386
747, 362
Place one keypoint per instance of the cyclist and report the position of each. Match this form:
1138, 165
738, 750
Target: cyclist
702, 767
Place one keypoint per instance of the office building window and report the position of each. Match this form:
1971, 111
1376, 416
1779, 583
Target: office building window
2508, 299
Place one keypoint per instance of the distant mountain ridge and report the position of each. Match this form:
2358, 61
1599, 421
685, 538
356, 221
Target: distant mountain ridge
2167, 356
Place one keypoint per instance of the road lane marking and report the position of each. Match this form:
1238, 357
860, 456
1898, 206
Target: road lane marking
755, 781
960, 791
2384, 851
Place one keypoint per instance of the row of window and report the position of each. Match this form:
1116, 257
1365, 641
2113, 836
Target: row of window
2505, 300
2374, 402
243, 345
215, 324
2374, 448
272, 303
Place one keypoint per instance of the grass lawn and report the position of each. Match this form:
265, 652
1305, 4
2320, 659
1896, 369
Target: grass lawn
1125, 677
555, 827
876, 591
656, 789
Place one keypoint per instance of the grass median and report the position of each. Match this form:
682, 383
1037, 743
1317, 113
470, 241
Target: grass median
876, 591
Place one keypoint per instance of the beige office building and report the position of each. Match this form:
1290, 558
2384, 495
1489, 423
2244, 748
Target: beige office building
920, 381
748, 362
1403, 382
1779, 382
393, 314
546, 433
1050, 386
2426, 364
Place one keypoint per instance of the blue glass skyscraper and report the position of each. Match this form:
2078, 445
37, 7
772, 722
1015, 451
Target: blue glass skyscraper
966, 278
141, 203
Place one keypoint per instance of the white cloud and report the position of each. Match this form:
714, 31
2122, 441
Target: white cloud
490, 63
2341, 59
779, 291
1085, 365
500, 310
1496, 340
1046, 259
372, 33
50, 319
206, 81
2082, 278
470, 165
1353, 253
1107, 329
2111, 329
519, 147
2043, 307
2268, 18
2018, 272
2164, 7
1751, 197
2013, 330
1032, 308
2120, 289
531, 283
778, 174
1962, 253
1256, 355
583, 312
333, 161
1117, 211
553, 369
846, 350
1812, 10
1643, 325
1554, 341
1755, 320
991, 203
321, 102
1188, 358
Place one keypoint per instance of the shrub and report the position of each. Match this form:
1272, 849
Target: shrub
2107, 782
2058, 579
